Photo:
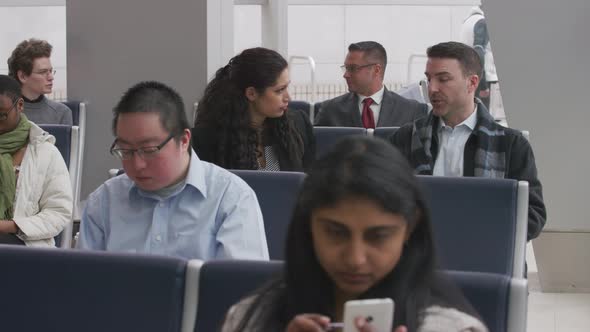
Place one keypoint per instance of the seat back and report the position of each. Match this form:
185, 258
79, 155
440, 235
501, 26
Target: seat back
384, 132
76, 107
327, 137
277, 193
79, 120
67, 141
71, 290
300, 105
63, 139
223, 283
474, 223
500, 300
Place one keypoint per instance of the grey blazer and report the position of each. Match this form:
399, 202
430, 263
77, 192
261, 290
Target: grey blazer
343, 111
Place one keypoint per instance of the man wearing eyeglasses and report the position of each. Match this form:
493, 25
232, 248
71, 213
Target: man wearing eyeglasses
35, 188
368, 104
168, 201
30, 65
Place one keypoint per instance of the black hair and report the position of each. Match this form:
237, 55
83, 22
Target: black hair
372, 50
10, 87
224, 107
371, 169
467, 56
154, 97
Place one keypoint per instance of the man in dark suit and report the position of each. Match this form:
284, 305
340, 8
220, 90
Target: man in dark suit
368, 104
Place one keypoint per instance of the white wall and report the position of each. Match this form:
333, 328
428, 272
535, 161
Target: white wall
48, 23
541, 50
325, 31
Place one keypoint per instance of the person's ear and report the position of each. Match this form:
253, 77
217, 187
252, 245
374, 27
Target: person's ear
22, 77
378, 70
472, 83
251, 93
20, 105
185, 139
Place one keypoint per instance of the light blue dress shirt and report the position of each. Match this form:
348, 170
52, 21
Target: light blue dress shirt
215, 214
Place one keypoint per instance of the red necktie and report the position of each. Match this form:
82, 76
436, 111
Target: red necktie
367, 116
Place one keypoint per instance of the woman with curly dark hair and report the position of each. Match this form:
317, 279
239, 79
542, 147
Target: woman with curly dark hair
243, 122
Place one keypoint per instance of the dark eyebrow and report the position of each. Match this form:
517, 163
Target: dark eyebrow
283, 86
383, 227
145, 141
331, 222
443, 73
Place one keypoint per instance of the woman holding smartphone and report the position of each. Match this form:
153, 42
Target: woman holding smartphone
360, 230
243, 122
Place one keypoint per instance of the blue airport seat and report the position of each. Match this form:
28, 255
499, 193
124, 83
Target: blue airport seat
79, 120
384, 132
300, 105
277, 194
67, 141
327, 137
479, 224
223, 283
78, 112
63, 139
500, 300
75, 290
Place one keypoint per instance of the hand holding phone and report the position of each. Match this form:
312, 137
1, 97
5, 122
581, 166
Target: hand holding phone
376, 313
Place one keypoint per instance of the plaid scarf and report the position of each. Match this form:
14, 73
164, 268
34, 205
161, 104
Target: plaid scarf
490, 154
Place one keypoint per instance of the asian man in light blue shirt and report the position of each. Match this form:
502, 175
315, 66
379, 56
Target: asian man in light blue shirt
168, 201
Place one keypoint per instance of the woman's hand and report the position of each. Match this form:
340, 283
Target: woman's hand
362, 326
309, 323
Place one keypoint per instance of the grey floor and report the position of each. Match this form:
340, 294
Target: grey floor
555, 312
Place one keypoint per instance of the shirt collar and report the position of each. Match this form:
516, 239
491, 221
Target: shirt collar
195, 178
377, 96
470, 122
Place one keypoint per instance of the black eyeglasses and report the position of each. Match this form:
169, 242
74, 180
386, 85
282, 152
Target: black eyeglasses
145, 153
354, 68
4, 115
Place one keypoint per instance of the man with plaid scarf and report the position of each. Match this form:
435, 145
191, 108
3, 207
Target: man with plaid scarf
460, 138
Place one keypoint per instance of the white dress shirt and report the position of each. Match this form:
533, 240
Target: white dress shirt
451, 147
375, 106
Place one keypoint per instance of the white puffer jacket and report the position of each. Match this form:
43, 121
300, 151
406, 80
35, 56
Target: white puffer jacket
43, 204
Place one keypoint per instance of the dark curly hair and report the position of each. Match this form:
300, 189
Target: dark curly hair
25, 53
224, 108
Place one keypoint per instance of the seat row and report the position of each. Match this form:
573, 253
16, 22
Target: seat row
69, 140
479, 224
70, 290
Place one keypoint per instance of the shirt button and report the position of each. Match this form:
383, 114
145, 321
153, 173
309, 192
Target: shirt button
158, 238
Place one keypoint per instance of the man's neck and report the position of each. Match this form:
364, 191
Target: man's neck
372, 90
30, 95
455, 118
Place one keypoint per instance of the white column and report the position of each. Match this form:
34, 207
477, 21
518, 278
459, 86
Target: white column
274, 25
220, 34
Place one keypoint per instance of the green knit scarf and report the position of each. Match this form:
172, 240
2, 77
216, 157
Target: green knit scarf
10, 142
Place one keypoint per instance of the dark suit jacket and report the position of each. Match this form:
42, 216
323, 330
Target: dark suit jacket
343, 111
205, 140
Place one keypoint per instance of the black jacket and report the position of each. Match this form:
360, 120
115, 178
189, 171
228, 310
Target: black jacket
205, 141
520, 165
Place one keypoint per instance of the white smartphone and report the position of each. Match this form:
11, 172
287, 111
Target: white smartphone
378, 312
